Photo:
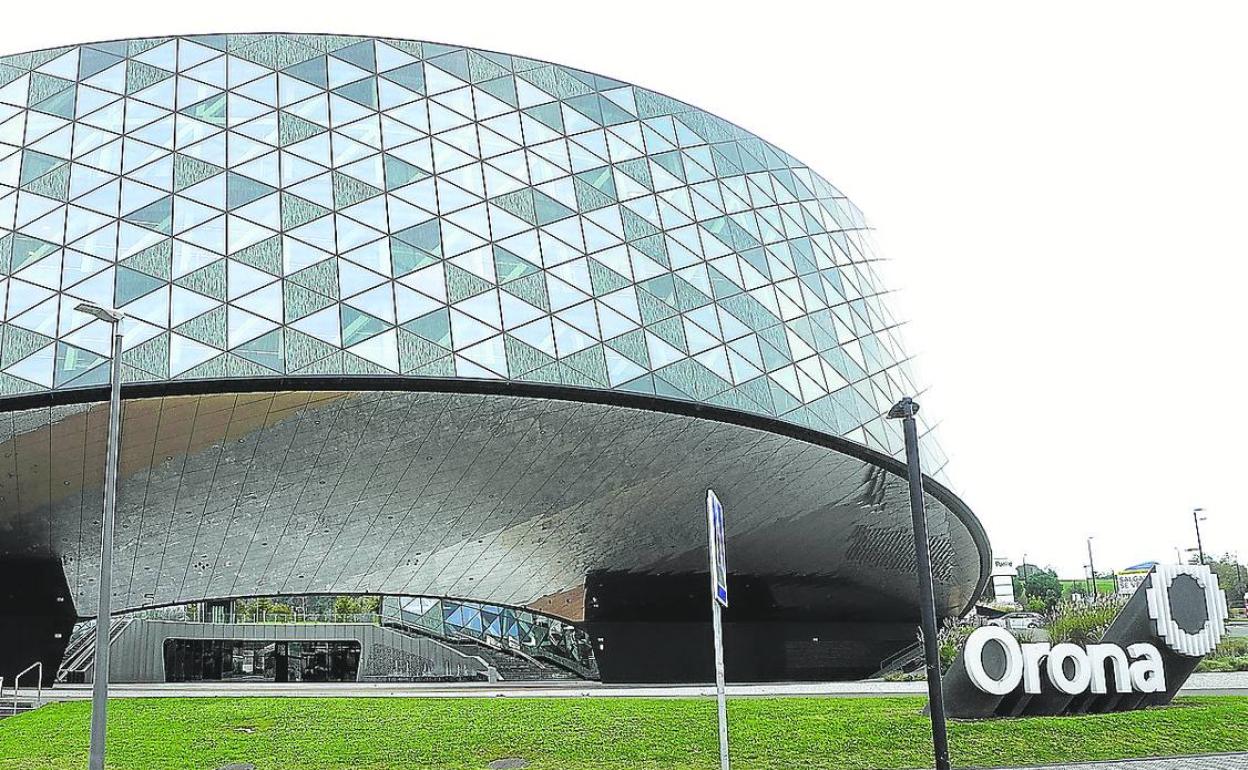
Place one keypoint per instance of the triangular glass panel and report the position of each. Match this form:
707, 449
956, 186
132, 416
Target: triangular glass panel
157, 216
211, 110
362, 92
358, 326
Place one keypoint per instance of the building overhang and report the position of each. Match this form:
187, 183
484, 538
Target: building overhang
502, 492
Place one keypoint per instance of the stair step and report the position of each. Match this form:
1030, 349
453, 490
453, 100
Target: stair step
510, 665
7, 709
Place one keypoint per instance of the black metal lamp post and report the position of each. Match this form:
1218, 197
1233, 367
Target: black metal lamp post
905, 410
1196, 519
1092, 569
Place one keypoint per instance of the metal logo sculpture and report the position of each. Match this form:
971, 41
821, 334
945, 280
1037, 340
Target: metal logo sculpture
1176, 617
1197, 590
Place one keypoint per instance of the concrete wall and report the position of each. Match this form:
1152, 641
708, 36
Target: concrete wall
138, 654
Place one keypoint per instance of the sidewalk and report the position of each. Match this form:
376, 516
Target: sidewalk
1203, 762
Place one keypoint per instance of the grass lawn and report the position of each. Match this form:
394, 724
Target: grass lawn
1104, 586
597, 733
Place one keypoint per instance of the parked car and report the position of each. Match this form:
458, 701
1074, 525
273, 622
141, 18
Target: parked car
1018, 620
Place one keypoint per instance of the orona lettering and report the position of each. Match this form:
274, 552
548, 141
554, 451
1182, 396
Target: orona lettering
1070, 668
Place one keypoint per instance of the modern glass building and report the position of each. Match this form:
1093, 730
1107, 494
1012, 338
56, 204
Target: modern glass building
410, 318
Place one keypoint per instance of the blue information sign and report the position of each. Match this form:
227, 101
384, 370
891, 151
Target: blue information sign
719, 601
719, 567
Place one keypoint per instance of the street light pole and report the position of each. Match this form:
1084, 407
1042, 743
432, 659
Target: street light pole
905, 410
1200, 548
1022, 574
103, 617
1092, 569
1239, 579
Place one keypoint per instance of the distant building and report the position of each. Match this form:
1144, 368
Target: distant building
1003, 574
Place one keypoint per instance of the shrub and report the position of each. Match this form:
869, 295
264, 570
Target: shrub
1231, 655
951, 639
906, 676
1233, 647
1220, 665
1081, 623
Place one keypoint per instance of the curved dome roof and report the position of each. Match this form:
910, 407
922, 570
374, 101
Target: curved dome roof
266, 206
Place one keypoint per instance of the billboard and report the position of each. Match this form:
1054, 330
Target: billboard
1129, 580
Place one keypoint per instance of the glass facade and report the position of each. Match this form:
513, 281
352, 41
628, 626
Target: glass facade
514, 628
269, 206
198, 660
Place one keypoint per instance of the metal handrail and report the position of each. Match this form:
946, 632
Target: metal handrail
17, 683
77, 652
410, 629
78, 655
284, 618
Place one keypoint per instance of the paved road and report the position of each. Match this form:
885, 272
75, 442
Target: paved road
1198, 684
1205, 762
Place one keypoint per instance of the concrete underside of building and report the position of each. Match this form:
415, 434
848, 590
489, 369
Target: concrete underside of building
584, 506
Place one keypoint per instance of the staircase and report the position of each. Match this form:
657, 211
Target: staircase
512, 665
80, 649
905, 660
10, 706
77, 667
19, 701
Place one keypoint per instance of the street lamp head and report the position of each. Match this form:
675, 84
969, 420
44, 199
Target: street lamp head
104, 314
906, 407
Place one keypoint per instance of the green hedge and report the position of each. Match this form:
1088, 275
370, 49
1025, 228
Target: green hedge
1231, 655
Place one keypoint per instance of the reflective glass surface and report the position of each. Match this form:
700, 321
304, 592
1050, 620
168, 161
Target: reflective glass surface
286, 205
512, 628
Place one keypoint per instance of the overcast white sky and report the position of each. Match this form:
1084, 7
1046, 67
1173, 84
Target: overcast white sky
1062, 189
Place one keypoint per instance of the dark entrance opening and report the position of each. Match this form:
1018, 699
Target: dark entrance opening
198, 660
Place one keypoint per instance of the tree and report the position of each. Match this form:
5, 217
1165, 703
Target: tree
1232, 577
356, 605
1024, 571
1044, 585
346, 605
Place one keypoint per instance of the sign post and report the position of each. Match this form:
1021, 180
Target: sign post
719, 599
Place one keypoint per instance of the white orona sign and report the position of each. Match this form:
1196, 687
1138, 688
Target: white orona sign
1153, 644
1071, 669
